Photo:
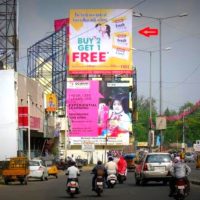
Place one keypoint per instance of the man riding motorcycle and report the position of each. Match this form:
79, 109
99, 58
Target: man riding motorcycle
111, 166
98, 170
73, 173
179, 170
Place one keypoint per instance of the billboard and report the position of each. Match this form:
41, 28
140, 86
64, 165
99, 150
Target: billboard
98, 111
100, 41
51, 102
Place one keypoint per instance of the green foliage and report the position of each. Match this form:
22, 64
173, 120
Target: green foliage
174, 132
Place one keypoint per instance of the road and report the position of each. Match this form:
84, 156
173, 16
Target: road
54, 189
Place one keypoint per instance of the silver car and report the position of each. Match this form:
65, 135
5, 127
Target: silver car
153, 167
189, 157
38, 170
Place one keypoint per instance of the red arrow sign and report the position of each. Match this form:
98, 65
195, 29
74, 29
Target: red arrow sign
147, 31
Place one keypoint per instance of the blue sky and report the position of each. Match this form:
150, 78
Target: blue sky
180, 65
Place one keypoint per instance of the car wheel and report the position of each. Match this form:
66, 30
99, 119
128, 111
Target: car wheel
42, 178
137, 181
143, 182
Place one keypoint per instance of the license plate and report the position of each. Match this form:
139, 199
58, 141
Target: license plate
99, 183
72, 189
160, 169
181, 187
112, 181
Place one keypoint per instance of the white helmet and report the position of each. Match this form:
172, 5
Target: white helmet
177, 159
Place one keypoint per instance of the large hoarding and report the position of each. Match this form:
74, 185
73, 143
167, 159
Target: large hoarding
100, 41
98, 111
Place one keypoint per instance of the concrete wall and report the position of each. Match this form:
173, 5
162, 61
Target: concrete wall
36, 91
8, 114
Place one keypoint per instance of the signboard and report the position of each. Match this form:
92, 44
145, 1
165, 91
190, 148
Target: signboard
161, 123
151, 138
99, 110
100, 41
23, 116
23, 119
196, 147
88, 146
51, 102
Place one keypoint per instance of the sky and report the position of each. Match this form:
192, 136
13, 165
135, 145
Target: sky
180, 65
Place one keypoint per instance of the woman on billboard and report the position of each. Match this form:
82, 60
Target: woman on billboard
115, 118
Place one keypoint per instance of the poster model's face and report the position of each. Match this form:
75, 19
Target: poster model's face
117, 107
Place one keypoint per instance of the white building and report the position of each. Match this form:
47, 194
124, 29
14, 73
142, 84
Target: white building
14, 89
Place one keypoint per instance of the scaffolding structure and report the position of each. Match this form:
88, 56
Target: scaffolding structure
47, 64
8, 35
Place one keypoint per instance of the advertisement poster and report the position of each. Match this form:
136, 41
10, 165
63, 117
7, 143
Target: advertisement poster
100, 41
82, 107
51, 102
99, 112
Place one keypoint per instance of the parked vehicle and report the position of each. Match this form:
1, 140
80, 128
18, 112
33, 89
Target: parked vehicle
38, 169
52, 168
153, 167
180, 189
16, 169
72, 187
99, 183
111, 180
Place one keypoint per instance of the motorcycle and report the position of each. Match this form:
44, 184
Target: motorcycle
181, 189
72, 187
121, 177
111, 180
99, 184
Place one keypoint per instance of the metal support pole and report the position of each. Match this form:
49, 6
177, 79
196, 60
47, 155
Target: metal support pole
183, 136
160, 52
29, 131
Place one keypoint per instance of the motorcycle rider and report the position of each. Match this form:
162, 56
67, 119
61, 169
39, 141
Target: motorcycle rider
179, 170
111, 167
98, 170
122, 166
73, 173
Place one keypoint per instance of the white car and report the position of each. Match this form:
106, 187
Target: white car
38, 170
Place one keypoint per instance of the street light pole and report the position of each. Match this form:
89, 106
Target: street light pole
160, 19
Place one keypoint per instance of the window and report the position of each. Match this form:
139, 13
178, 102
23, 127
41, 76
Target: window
158, 158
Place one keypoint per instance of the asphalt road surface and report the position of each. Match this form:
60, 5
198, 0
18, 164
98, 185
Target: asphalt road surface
54, 189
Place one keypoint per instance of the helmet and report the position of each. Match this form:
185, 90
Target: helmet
177, 159
110, 158
99, 162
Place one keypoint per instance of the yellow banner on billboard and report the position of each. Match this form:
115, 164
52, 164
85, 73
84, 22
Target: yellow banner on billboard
51, 102
100, 41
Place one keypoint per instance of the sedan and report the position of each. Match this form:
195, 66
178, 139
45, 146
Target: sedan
38, 170
153, 167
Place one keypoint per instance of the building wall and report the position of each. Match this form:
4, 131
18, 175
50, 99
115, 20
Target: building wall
36, 91
8, 116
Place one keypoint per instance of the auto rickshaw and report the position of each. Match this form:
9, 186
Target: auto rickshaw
52, 168
130, 160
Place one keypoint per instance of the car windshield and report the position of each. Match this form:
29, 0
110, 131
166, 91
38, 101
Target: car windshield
34, 163
188, 154
158, 158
